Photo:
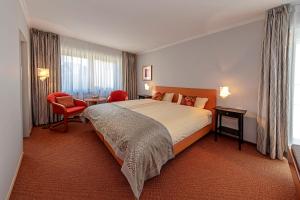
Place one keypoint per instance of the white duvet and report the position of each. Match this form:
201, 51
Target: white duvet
181, 121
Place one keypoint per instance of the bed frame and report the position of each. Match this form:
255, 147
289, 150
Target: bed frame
211, 94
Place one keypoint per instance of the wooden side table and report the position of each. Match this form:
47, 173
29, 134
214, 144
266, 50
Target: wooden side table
94, 101
144, 96
234, 113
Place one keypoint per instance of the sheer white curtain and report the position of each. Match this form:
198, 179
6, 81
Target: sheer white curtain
88, 69
295, 139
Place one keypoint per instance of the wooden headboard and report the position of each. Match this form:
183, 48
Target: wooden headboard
211, 94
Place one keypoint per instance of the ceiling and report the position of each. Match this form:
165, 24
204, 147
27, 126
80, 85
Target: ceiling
142, 25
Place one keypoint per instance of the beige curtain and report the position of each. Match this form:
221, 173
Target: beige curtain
272, 116
129, 74
45, 53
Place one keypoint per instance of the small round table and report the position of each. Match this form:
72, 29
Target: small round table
94, 101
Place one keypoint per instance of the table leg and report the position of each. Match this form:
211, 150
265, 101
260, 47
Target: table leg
242, 128
220, 123
216, 127
240, 132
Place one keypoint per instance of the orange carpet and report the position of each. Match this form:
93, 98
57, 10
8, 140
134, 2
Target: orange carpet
76, 165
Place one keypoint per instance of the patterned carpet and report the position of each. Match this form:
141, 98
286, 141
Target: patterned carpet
76, 165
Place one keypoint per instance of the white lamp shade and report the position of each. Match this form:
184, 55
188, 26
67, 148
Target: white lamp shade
224, 91
147, 86
43, 73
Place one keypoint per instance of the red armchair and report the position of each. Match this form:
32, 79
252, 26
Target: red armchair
117, 95
60, 109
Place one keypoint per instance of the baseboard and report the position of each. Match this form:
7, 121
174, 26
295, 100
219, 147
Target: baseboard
15, 176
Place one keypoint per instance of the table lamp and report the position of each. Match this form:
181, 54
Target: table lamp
224, 92
147, 87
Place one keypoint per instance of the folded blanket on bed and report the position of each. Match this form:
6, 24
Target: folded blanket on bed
144, 144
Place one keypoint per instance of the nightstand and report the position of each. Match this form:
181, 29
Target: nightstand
234, 113
144, 96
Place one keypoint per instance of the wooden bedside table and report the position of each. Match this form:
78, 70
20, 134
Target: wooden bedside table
234, 113
94, 101
144, 96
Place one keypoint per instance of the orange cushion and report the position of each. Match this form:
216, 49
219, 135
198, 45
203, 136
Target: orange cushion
188, 100
157, 96
66, 101
118, 95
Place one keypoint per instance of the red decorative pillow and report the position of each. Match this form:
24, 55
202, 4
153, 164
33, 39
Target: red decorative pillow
66, 101
188, 100
157, 96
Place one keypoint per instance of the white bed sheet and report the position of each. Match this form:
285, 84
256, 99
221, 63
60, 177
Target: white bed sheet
181, 121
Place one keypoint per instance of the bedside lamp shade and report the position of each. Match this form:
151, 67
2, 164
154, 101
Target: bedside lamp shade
147, 87
43, 73
224, 91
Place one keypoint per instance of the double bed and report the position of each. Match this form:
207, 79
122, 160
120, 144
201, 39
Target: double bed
142, 135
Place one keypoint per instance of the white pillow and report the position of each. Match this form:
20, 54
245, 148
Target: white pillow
179, 98
200, 102
168, 97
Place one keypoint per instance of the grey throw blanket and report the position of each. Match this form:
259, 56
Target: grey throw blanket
141, 142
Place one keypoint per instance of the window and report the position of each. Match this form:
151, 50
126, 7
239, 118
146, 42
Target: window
87, 71
296, 83
296, 101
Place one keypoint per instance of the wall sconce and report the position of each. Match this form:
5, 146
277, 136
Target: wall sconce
43, 73
224, 91
147, 87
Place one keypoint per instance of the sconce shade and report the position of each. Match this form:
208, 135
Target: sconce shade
147, 87
43, 73
224, 91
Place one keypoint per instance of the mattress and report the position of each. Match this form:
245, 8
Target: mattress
181, 121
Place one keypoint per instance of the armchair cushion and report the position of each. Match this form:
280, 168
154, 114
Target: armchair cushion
74, 110
66, 101
58, 108
78, 102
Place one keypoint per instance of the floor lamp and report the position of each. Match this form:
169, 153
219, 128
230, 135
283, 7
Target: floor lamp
43, 74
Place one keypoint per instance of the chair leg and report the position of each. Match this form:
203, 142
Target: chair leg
55, 125
66, 124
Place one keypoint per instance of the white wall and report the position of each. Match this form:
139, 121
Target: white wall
26, 73
10, 99
26, 93
230, 58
